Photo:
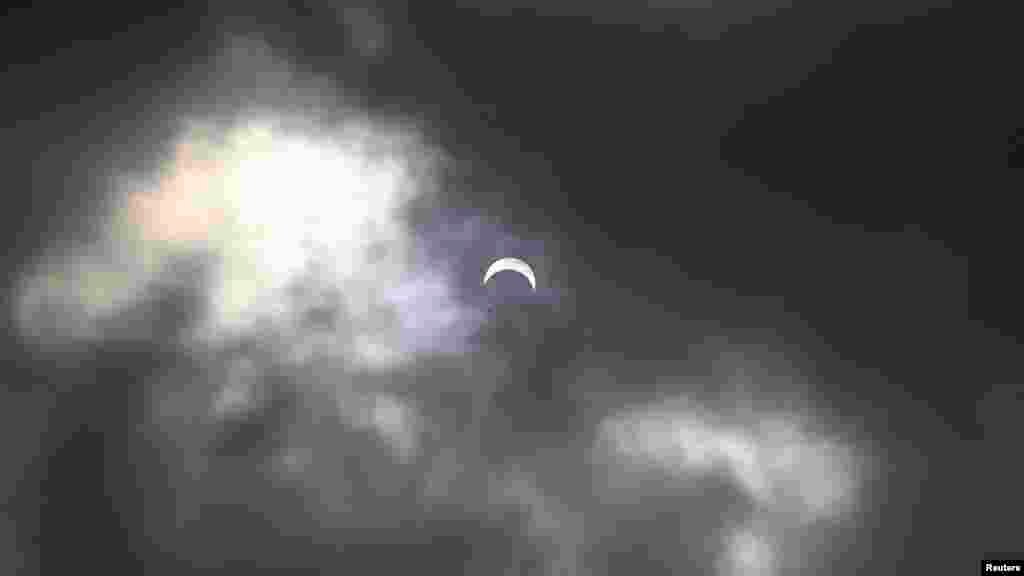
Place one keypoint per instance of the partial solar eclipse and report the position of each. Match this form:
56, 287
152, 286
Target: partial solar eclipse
513, 265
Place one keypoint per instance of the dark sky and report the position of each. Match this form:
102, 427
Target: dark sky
852, 165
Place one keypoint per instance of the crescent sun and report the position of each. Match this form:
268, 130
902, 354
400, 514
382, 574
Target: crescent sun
513, 264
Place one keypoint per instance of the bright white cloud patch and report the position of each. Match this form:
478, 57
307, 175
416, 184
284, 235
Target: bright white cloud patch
268, 206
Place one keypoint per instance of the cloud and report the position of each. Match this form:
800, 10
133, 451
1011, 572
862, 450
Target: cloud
299, 208
369, 34
792, 478
264, 196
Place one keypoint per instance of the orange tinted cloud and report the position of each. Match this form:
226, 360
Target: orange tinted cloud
179, 210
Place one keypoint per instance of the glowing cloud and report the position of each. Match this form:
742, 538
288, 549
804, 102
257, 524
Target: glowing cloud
273, 209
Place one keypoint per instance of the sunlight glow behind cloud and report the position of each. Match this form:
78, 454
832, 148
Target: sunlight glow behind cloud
268, 205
